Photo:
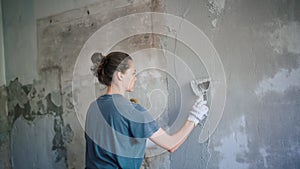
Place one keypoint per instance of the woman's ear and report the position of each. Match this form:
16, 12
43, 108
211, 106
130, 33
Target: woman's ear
120, 76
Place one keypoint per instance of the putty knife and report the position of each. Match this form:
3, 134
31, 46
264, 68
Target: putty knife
200, 87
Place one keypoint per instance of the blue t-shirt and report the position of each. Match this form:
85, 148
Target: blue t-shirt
116, 133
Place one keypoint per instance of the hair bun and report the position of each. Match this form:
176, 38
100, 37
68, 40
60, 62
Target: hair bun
97, 59
105, 66
103, 62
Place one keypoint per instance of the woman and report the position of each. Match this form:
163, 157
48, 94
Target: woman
117, 129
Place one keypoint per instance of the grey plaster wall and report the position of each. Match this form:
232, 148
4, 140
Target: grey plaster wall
258, 44
2, 60
4, 131
19, 40
20, 34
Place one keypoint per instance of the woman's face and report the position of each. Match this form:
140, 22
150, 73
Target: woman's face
130, 77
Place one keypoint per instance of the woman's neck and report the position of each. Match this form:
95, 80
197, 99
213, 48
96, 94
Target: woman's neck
113, 89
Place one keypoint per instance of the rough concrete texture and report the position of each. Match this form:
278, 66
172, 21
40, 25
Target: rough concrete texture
258, 44
36, 124
2, 59
61, 38
4, 130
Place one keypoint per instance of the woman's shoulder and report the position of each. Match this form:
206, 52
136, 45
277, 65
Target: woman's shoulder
138, 106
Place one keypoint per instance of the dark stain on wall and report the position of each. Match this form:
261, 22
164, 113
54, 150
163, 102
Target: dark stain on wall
29, 102
5, 161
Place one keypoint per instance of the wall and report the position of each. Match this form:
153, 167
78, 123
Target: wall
19, 40
4, 129
43, 107
19, 27
2, 60
256, 42
31, 122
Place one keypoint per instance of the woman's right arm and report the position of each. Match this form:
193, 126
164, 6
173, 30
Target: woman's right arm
172, 142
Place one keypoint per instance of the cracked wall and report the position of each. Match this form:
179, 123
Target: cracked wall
60, 39
258, 43
37, 125
255, 66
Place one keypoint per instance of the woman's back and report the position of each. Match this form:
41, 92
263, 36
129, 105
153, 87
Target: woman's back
116, 132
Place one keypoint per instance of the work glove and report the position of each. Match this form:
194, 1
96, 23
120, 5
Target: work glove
199, 111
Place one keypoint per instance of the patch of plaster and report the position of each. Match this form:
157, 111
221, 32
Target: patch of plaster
280, 82
4, 130
63, 135
264, 154
162, 161
285, 37
294, 147
233, 149
216, 6
144, 77
36, 98
68, 100
3, 110
16, 95
214, 22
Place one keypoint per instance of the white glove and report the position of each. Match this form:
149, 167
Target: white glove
198, 112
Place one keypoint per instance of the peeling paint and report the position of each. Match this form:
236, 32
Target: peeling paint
16, 95
31, 101
69, 106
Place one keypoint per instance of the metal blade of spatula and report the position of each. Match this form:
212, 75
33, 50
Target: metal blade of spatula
200, 87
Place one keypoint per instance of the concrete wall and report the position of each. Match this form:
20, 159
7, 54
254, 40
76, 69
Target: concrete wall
2, 60
20, 35
256, 44
19, 40
4, 127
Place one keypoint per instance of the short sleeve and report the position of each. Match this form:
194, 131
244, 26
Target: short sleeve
143, 129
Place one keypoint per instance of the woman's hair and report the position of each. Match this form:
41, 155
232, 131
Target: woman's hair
105, 66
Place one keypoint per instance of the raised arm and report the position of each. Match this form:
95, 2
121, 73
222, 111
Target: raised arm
172, 142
